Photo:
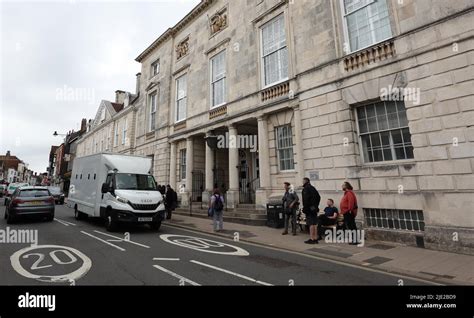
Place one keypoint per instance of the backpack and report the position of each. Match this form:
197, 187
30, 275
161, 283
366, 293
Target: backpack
218, 205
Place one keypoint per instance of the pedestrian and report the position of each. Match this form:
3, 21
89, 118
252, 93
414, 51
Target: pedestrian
290, 203
171, 201
328, 218
311, 200
349, 208
216, 209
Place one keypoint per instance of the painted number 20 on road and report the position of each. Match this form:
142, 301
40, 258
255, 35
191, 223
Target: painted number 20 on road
51, 263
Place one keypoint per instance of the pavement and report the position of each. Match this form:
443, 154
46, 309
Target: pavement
185, 252
437, 266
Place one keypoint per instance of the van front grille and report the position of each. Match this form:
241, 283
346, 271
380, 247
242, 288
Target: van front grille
144, 207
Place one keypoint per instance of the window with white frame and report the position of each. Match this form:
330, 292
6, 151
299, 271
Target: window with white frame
155, 68
181, 97
116, 134
284, 143
366, 22
182, 164
124, 132
152, 118
274, 51
218, 79
383, 131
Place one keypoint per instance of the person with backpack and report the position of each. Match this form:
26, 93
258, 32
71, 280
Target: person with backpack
349, 208
216, 210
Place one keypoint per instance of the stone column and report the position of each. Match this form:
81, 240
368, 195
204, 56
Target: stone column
209, 171
233, 192
264, 159
173, 165
186, 199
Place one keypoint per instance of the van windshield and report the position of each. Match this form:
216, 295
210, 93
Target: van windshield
127, 181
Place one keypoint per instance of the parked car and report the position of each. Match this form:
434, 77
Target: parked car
30, 201
58, 194
3, 188
11, 188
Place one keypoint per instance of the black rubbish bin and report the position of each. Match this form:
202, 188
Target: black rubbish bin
275, 217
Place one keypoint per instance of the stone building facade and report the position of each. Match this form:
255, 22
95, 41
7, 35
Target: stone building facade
375, 92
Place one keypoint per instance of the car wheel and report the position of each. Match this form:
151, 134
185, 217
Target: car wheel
10, 219
50, 218
110, 224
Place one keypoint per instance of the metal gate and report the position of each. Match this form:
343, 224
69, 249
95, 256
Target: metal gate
246, 192
198, 186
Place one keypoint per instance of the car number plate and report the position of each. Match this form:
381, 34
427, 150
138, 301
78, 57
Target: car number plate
145, 219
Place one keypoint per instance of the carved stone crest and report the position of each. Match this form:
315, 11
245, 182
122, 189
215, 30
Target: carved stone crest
218, 21
182, 48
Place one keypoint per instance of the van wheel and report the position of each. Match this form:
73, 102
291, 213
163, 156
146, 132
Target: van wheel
78, 215
110, 224
155, 226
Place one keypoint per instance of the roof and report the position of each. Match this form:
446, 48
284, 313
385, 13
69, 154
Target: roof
118, 107
197, 10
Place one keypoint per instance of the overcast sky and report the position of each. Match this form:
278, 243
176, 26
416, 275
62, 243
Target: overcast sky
59, 59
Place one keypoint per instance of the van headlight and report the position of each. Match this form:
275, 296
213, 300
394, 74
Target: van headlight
122, 200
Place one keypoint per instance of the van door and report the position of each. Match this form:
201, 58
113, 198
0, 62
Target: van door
107, 196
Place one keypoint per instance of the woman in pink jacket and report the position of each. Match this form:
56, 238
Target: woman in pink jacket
348, 207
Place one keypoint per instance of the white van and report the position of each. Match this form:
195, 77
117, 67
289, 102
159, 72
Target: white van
118, 188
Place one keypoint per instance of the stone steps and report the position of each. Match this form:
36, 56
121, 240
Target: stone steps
248, 214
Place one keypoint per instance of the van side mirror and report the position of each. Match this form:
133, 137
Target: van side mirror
105, 188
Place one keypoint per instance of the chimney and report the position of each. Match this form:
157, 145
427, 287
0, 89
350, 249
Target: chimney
83, 125
139, 77
8, 153
119, 96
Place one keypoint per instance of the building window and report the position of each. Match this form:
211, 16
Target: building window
274, 52
101, 145
181, 98
284, 138
155, 68
182, 164
116, 135
367, 22
405, 220
152, 119
107, 145
383, 132
124, 132
218, 79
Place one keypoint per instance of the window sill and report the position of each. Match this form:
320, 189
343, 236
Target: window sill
388, 163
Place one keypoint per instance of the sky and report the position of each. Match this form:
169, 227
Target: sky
59, 59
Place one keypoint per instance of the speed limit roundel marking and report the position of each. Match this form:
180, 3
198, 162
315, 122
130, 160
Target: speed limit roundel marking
72, 255
204, 245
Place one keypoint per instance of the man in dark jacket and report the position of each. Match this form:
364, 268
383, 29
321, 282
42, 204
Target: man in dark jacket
311, 200
171, 201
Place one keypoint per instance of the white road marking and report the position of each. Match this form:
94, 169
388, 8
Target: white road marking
67, 222
118, 239
80, 272
203, 245
231, 273
165, 259
181, 278
104, 241
62, 222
